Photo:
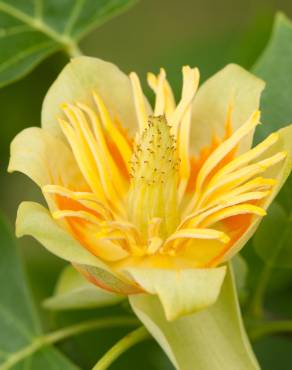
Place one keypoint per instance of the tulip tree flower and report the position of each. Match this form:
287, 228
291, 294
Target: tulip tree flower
150, 200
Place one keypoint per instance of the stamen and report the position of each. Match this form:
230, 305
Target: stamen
90, 150
154, 240
197, 234
246, 157
218, 154
244, 198
101, 164
233, 211
139, 101
183, 150
238, 177
257, 184
196, 219
108, 250
95, 124
100, 139
130, 230
113, 132
87, 199
86, 216
226, 147
154, 227
160, 96
190, 85
169, 100
154, 245
84, 159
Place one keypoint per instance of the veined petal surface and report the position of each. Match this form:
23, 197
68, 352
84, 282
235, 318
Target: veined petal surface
232, 87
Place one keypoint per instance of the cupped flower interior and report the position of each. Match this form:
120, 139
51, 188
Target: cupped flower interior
147, 200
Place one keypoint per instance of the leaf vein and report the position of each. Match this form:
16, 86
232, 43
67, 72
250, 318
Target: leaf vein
76, 11
23, 55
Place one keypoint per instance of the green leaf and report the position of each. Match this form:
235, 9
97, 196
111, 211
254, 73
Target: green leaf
274, 67
73, 291
213, 339
19, 324
33, 29
272, 242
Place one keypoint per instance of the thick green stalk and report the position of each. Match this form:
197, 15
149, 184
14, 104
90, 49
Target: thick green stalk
256, 306
121, 346
262, 328
61, 334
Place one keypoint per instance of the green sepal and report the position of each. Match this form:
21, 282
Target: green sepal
213, 339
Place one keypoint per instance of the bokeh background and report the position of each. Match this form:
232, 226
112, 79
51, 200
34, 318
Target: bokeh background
155, 33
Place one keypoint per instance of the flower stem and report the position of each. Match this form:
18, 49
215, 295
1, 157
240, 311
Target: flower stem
121, 346
270, 327
61, 334
256, 308
72, 50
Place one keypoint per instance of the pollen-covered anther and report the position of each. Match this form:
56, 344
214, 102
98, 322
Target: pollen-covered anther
154, 176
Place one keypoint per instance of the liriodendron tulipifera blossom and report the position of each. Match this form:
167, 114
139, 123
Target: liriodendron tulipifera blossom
146, 200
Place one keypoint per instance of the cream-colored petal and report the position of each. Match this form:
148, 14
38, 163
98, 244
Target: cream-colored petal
279, 172
232, 86
35, 220
181, 292
78, 80
45, 159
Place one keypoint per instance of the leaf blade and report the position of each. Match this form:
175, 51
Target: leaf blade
19, 323
22, 23
272, 242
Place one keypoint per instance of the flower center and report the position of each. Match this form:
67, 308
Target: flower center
153, 190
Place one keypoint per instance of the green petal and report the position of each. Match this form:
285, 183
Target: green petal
280, 172
181, 292
232, 85
114, 283
35, 220
77, 81
73, 291
213, 339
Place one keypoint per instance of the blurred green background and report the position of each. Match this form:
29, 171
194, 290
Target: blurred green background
154, 33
